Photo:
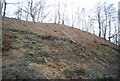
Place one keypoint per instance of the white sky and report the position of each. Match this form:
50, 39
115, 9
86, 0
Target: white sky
87, 4
82, 3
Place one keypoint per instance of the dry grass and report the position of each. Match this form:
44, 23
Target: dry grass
45, 50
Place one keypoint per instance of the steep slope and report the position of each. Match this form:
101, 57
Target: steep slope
52, 51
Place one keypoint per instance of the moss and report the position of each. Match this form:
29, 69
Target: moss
69, 73
26, 51
79, 70
93, 74
96, 75
37, 69
43, 54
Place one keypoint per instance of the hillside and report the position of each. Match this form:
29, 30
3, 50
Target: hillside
53, 51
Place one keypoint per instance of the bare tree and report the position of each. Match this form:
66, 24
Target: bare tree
91, 24
106, 19
111, 16
78, 17
55, 20
57, 16
1, 7
58, 13
83, 19
4, 4
41, 15
73, 19
18, 12
34, 10
98, 15
116, 31
119, 23
63, 15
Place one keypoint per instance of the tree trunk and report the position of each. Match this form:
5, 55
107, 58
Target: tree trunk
4, 13
109, 30
116, 35
0, 8
99, 23
105, 29
118, 23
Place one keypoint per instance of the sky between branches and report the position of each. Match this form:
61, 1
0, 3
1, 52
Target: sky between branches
87, 4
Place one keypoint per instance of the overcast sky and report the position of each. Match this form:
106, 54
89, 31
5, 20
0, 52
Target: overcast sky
87, 4
82, 3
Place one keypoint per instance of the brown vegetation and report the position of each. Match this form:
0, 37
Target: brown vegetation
42, 50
